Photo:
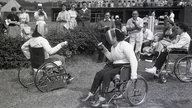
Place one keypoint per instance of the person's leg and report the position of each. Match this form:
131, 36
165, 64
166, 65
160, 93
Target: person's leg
108, 77
139, 41
161, 60
97, 81
132, 40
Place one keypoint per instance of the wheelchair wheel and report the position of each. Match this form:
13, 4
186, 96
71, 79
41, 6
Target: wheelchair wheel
136, 91
26, 76
46, 75
182, 69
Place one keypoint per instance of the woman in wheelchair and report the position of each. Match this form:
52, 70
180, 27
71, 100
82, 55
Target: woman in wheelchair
182, 41
121, 53
38, 41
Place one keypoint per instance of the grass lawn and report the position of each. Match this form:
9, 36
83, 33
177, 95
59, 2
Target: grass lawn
173, 94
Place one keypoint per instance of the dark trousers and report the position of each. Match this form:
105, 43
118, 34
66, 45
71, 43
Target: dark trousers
161, 60
104, 77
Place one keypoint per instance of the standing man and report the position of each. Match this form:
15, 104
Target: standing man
103, 26
84, 15
134, 26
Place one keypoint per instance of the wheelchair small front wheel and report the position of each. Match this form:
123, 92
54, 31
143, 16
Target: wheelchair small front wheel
26, 76
136, 91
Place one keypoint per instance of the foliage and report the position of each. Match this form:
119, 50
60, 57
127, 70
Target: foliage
80, 41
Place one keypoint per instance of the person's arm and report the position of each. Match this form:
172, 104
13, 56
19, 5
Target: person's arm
58, 17
129, 53
27, 18
25, 49
87, 16
182, 42
48, 48
129, 26
138, 24
36, 16
45, 15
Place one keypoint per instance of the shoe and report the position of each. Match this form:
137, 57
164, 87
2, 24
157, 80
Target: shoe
87, 97
100, 101
152, 71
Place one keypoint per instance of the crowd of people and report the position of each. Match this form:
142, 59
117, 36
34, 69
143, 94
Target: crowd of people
134, 3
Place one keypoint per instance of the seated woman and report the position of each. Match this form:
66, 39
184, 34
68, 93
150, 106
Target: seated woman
121, 53
182, 41
37, 41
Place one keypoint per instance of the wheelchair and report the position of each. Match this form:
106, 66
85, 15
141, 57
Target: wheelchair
133, 92
178, 64
45, 75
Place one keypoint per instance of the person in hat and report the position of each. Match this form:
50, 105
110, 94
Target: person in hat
13, 24
121, 53
24, 20
40, 15
38, 41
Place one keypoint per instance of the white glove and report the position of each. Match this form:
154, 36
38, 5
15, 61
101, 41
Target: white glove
63, 43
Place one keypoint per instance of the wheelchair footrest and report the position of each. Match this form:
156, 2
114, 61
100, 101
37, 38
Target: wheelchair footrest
57, 84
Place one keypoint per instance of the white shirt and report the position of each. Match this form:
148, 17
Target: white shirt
182, 41
72, 14
24, 17
130, 24
124, 53
148, 35
37, 42
40, 18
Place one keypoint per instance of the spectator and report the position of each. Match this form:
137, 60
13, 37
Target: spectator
182, 41
103, 26
64, 18
73, 16
84, 15
40, 15
24, 19
128, 4
148, 36
111, 4
171, 16
13, 24
134, 28
118, 22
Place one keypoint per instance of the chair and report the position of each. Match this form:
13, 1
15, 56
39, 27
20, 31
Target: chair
46, 75
174, 56
134, 92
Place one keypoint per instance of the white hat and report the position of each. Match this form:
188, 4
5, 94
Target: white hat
39, 4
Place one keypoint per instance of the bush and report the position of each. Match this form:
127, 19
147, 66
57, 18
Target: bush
80, 40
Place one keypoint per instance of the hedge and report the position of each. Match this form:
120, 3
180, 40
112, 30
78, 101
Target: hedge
81, 41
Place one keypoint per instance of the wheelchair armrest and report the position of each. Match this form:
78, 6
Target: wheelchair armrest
126, 66
178, 50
